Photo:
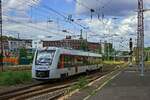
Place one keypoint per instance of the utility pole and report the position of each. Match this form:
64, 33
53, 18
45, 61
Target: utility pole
1, 35
18, 35
86, 41
100, 47
18, 44
108, 51
140, 37
81, 31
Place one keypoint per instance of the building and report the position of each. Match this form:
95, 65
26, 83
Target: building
5, 45
37, 44
11, 46
74, 44
19, 43
70, 43
79, 44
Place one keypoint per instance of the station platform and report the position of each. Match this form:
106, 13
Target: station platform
128, 85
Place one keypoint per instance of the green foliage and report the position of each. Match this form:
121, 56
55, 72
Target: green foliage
147, 49
1, 56
14, 78
83, 46
30, 57
7, 38
100, 50
25, 56
23, 59
23, 53
82, 82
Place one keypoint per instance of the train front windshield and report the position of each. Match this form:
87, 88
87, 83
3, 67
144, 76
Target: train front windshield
44, 57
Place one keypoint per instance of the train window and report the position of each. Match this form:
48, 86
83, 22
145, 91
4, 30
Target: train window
72, 61
90, 60
93, 60
45, 57
78, 60
85, 60
66, 60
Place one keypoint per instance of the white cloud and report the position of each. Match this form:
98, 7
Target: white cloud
18, 4
111, 7
125, 28
122, 27
33, 30
18, 7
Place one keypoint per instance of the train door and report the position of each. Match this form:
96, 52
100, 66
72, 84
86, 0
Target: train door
61, 62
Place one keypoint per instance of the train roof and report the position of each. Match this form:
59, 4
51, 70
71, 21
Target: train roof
72, 51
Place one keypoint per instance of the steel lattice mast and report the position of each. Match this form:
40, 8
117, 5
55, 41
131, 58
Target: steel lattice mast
140, 37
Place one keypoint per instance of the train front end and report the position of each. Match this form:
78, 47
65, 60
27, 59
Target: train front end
43, 63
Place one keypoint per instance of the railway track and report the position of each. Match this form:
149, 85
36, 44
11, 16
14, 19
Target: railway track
60, 92
45, 90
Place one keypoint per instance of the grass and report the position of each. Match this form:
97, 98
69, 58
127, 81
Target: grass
82, 83
14, 77
146, 63
113, 62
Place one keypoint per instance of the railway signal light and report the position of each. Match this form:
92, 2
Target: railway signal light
130, 44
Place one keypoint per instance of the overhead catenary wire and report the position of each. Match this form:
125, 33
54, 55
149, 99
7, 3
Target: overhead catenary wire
102, 6
65, 17
31, 26
36, 27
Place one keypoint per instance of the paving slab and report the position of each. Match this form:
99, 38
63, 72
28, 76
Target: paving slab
128, 85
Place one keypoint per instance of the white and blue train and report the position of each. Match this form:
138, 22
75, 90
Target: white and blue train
55, 63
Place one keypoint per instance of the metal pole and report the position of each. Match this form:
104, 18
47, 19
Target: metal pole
140, 38
114, 54
100, 47
108, 52
18, 44
114, 49
1, 35
86, 41
142, 41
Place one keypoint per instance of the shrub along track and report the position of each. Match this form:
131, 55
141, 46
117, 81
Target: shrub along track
55, 89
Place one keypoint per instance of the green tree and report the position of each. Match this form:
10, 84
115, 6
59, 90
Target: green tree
23, 53
1, 58
83, 46
23, 59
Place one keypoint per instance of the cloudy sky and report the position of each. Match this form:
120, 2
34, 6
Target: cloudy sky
113, 20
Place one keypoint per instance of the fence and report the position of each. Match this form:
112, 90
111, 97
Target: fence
10, 60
